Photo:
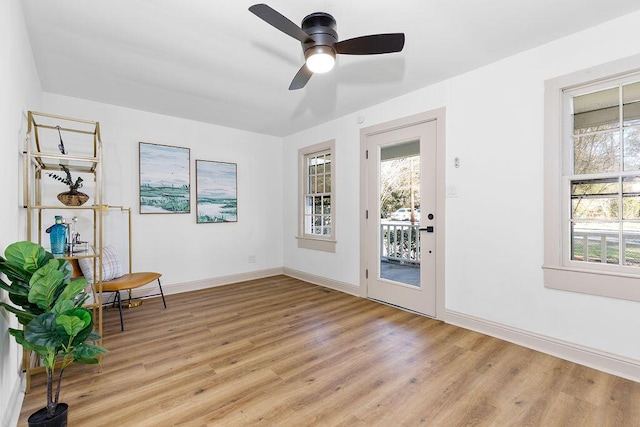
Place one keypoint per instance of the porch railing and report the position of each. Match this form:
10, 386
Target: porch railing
400, 243
602, 246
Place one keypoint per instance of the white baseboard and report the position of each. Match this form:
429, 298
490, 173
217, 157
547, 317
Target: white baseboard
177, 288
14, 403
593, 358
322, 281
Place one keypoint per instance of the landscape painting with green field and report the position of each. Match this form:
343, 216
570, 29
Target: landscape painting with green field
164, 179
216, 191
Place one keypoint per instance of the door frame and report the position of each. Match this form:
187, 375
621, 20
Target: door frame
439, 116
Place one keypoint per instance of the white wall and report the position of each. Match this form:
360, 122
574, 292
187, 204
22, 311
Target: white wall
174, 244
494, 233
20, 89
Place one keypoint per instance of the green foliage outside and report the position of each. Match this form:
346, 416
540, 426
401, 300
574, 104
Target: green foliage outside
397, 178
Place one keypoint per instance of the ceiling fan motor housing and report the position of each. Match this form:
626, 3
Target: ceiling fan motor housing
321, 28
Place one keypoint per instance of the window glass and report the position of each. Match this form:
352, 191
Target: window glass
631, 245
631, 148
597, 111
595, 242
597, 152
595, 199
631, 198
605, 199
316, 217
631, 104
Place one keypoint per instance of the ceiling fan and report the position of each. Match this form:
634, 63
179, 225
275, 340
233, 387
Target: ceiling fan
320, 44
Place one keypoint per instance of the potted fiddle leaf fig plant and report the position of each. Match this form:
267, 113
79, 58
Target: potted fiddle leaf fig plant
48, 304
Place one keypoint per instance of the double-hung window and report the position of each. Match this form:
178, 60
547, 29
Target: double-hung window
592, 183
317, 201
603, 174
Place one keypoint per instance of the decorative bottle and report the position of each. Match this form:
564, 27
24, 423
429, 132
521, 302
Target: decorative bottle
58, 236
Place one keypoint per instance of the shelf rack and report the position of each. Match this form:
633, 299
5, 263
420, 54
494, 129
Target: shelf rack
46, 151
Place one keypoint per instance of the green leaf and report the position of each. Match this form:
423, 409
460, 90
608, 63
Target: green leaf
15, 272
18, 294
19, 336
44, 285
23, 316
73, 289
86, 361
88, 329
93, 336
63, 305
30, 256
89, 351
65, 268
72, 324
5, 286
15, 288
42, 332
23, 302
80, 299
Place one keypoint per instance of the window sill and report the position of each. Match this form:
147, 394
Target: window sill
594, 282
317, 244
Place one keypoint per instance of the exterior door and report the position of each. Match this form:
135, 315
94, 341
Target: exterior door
401, 209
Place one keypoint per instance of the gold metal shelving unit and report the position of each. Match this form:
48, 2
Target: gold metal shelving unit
53, 141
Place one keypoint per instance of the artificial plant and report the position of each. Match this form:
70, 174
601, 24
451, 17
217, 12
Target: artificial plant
49, 305
67, 179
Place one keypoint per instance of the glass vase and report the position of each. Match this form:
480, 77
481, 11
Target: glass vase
58, 237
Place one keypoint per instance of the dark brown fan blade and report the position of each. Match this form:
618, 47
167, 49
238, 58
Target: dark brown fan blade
279, 21
301, 79
372, 45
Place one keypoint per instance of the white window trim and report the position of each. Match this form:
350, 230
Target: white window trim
559, 273
318, 243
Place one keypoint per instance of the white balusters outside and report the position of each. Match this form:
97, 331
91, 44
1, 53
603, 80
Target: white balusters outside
400, 243
585, 242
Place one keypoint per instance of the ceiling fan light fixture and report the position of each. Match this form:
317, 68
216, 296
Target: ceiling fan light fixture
320, 59
319, 38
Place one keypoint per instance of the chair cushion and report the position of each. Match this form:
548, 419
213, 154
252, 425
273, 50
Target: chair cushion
111, 267
130, 281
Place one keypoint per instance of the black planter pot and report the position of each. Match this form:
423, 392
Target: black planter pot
39, 418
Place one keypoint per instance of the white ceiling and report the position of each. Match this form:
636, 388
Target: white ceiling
214, 61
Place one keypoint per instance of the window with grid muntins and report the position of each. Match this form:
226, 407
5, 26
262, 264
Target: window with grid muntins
317, 194
603, 174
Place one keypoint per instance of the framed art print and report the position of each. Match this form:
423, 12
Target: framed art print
164, 179
216, 192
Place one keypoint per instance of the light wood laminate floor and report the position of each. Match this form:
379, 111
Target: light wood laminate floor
281, 352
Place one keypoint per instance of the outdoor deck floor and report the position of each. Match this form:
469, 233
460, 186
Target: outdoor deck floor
403, 273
